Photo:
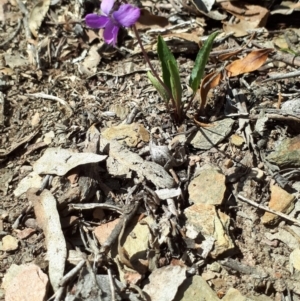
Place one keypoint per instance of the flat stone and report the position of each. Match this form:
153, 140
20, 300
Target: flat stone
208, 137
208, 187
234, 295
136, 243
164, 283
203, 218
195, 288
30, 283
9, 243
295, 259
287, 153
127, 134
280, 201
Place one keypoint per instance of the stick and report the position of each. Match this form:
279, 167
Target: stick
291, 219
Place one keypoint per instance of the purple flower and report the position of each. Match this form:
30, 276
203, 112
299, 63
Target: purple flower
111, 20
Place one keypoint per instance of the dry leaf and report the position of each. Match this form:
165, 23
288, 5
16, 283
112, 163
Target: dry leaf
243, 11
91, 61
37, 16
249, 63
147, 20
209, 82
285, 8
48, 219
3, 8
248, 17
241, 28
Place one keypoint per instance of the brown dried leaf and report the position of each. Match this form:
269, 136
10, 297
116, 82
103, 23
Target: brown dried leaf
37, 16
243, 11
249, 63
147, 20
247, 17
209, 82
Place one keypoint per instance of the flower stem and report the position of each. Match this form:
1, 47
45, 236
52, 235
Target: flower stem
153, 70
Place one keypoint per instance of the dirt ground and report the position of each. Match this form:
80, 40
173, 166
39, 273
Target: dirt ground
60, 84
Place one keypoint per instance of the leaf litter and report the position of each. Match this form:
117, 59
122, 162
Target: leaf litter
189, 199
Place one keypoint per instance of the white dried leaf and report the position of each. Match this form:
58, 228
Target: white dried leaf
57, 161
37, 16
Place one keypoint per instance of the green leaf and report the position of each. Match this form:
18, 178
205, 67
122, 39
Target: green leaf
158, 86
165, 55
175, 85
201, 60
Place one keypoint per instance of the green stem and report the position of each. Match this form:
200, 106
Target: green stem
153, 70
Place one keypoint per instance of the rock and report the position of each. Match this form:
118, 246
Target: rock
203, 218
32, 180
136, 243
49, 137
9, 243
128, 134
164, 283
287, 153
234, 295
11, 273
208, 187
150, 170
280, 201
30, 283
295, 259
214, 267
195, 288
286, 237
208, 275
237, 140
292, 106
121, 110
208, 137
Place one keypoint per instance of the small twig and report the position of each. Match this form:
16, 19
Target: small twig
278, 117
45, 183
132, 115
119, 75
72, 273
111, 284
282, 76
291, 219
51, 97
93, 206
66, 279
128, 213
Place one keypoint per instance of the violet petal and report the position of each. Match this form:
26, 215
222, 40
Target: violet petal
106, 6
110, 34
127, 15
95, 21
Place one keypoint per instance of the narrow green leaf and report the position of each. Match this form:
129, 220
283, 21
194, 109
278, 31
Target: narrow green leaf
201, 60
165, 55
175, 85
158, 86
